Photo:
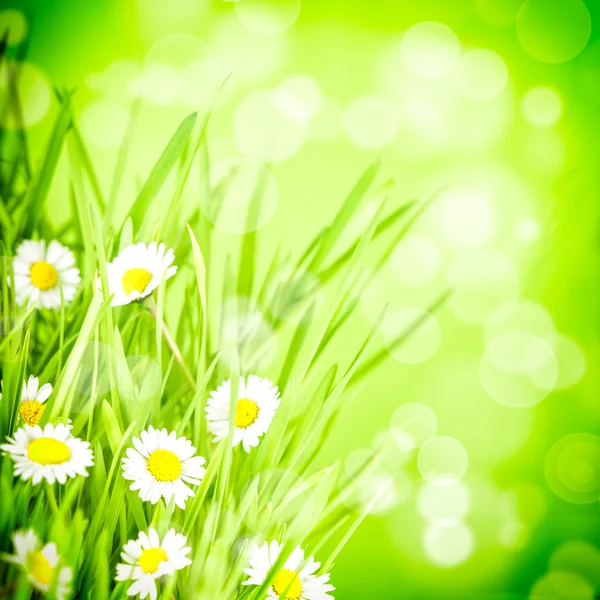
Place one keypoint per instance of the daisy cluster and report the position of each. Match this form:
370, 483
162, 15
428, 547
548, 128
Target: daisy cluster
160, 465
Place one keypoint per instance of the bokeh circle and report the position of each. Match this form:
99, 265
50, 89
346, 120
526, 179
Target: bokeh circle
443, 461
518, 369
572, 468
554, 31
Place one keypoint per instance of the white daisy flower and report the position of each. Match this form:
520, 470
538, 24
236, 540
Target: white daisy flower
258, 399
296, 580
161, 465
51, 453
40, 563
41, 271
33, 397
147, 559
137, 271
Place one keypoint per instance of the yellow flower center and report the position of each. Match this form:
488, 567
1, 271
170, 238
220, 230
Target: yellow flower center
48, 451
288, 581
150, 559
136, 279
40, 568
43, 275
164, 465
31, 411
246, 412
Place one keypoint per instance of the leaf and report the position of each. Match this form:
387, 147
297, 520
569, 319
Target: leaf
344, 215
161, 170
39, 189
111, 426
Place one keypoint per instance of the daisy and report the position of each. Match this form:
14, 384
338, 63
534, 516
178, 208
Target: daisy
40, 563
33, 397
160, 466
51, 453
296, 580
258, 399
41, 271
137, 271
147, 559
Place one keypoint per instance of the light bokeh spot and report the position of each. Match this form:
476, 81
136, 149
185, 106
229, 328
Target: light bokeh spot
448, 544
518, 369
513, 534
119, 80
299, 97
430, 49
416, 260
554, 31
573, 468
519, 316
577, 556
32, 91
451, 502
562, 585
267, 17
542, 106
528, 230
244, 198
443, 461
467, 216
421, 342
261, 129
572, 363
179, 69
16, 24
370, 122
412, 425
481, 74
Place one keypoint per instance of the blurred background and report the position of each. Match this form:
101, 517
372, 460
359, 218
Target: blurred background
493, 407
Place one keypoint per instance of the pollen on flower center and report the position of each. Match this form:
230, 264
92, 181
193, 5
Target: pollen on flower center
164, 465
136, 279
31, 411
287, 581
41, 569
43, 275
48, 451
246, 412
151, 558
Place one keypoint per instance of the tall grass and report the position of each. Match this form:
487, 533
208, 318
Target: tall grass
118, 370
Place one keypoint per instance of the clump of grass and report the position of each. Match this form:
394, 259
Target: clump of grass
116, 371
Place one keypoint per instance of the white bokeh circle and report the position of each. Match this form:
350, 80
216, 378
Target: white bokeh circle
430, 49
267, 17
448, 543
518, 369
450, 502
261, 129
443, 461
481, 74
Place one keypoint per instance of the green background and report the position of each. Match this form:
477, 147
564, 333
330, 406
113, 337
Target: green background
516, 229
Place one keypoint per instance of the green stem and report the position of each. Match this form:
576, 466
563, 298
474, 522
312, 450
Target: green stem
174, 349
52, 499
